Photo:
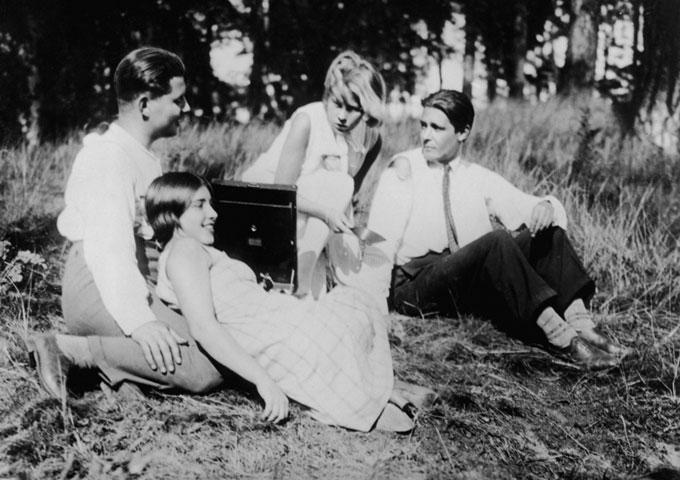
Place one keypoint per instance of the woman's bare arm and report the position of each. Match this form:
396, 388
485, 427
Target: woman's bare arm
188, 268
289, 168
293, 150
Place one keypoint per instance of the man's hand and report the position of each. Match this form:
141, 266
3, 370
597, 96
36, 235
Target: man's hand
275, 401
160, 345
542, 217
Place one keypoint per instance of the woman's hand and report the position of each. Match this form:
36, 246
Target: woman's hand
337, 221
542, 217
275, 401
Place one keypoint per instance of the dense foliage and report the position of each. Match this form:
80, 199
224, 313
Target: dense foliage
57, 58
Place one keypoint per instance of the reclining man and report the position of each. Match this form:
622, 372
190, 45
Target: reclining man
435, 210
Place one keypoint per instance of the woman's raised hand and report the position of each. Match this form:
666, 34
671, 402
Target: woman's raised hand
275, 401
337, 221
542, 216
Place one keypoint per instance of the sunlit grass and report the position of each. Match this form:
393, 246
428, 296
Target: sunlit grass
502, 412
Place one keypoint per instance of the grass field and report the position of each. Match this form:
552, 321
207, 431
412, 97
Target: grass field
507, 410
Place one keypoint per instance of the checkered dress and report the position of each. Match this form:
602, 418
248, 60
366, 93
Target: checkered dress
331, 355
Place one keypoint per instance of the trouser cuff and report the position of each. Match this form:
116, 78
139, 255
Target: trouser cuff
109, 374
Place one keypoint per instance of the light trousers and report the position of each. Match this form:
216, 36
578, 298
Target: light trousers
118, 357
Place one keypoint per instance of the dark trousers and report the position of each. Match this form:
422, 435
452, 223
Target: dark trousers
505, 278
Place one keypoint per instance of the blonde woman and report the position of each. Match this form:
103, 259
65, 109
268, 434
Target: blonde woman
325, 149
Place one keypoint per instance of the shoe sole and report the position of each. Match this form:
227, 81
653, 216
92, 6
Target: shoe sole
34, 362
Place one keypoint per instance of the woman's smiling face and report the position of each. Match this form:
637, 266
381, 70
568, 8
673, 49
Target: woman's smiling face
198, 220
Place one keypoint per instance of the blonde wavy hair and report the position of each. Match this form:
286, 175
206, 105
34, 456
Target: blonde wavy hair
351, 73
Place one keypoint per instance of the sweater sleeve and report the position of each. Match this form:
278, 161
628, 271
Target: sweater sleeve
388, 217
512, 206
107, 208
390, 211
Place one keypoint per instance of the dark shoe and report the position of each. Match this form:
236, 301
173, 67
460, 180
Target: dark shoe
595, 337
581, 352
50, 363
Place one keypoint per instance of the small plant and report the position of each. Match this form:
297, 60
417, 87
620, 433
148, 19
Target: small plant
18, 272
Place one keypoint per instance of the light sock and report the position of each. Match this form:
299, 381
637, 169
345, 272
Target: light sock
557, 331
76, 349
578, 316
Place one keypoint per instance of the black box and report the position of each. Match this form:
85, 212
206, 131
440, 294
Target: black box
257, 224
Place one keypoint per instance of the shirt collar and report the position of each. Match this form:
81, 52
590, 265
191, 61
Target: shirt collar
455, 163
122, 136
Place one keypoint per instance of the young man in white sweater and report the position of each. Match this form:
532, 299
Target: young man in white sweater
114, 319
435, 210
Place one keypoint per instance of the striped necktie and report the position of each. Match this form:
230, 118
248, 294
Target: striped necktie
448, 216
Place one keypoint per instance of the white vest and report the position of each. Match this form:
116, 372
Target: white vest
323, 149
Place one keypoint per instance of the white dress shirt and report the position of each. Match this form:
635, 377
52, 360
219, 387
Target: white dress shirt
408, 211
105, 210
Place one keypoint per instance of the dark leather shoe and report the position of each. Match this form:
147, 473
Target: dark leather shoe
581, 352
595, 337
50, 363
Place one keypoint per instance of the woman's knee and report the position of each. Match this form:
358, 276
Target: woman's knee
331, 189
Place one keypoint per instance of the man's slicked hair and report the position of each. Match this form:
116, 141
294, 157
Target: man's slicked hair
455, 105
146, 69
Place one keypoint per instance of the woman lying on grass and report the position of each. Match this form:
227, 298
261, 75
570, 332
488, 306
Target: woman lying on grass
331, 356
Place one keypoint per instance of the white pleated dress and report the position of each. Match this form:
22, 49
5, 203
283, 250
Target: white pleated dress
331, 355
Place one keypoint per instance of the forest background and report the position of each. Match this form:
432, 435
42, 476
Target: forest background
58, 58
600, 135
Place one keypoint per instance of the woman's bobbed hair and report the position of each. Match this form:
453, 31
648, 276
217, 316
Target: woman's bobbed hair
167, 198
350, 71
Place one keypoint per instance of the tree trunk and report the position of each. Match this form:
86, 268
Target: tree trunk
515, 63
32, 134
471, 35
654, 108
579, 69
491, 76
256, 90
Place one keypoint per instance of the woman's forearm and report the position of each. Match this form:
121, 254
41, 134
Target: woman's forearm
311, 208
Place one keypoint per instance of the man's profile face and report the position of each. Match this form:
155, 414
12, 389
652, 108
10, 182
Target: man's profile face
164, 112
441, 142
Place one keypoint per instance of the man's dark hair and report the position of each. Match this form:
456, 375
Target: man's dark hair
455, 105
147, 69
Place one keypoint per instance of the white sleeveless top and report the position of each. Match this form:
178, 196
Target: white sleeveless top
324, 149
